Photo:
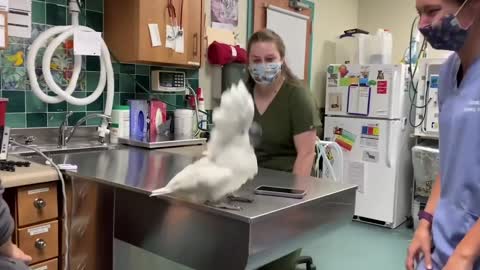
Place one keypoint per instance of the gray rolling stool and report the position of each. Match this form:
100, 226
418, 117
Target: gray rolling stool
308, 261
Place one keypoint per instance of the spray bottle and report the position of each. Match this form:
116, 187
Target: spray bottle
201, 108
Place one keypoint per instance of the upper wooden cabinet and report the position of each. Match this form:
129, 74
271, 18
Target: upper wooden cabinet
127, 33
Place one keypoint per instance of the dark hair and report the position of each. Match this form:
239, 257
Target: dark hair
270, 36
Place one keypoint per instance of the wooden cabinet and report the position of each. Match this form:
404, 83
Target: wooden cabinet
35, 209
48, 265
40, 241
91, 224
36, 204
128, 36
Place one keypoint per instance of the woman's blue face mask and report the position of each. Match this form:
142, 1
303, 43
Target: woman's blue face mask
449, 35
265, 74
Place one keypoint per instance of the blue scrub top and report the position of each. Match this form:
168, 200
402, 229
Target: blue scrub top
459, 206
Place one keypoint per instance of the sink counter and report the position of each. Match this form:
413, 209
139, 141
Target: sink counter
203, 237
23, 176
142, 171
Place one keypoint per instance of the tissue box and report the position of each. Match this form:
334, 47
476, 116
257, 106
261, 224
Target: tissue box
146, 119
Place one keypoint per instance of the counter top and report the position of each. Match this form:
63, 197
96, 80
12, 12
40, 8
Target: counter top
23, 176
143, 171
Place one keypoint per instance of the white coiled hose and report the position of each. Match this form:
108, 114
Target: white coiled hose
335, 170
106, 69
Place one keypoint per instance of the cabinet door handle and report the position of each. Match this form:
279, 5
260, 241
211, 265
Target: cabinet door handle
195, 44
39, 203
40, 244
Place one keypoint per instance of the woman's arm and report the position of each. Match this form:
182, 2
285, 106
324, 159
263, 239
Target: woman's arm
7, 248
469, 247
305, 146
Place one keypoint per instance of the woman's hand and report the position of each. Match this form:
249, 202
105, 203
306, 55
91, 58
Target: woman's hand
421, 243
18, 254
11, 250
457, 262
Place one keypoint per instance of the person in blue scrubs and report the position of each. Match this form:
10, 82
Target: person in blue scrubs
448, 237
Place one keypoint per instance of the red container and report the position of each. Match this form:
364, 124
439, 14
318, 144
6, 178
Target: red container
3, 110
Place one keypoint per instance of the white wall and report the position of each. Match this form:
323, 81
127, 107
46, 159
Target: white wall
394, 15
210, 76
331, 19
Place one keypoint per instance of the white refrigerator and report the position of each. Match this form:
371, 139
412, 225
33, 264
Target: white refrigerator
367, 110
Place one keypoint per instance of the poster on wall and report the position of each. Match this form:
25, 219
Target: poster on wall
224, 14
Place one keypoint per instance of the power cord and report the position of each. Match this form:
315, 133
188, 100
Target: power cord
412, 72
64, 194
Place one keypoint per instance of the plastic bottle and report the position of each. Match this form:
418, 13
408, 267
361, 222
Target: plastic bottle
201, 108
120, 123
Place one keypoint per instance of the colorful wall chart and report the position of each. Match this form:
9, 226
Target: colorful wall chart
345, 139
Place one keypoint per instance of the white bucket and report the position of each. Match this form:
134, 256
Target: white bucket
183, 123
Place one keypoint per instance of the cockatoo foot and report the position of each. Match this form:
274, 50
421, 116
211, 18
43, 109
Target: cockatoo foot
223, 205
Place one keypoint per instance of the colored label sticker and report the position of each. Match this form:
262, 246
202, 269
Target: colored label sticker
332, 69
354, 80
370, 130
345, 82
382, 90
383, 84
363, 81
372, 83
382, 87
343, 70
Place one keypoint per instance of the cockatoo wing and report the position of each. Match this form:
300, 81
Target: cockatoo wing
195, 178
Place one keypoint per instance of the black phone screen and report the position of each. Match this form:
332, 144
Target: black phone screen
280, 189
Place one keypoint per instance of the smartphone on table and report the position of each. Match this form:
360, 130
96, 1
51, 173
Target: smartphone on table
280, 191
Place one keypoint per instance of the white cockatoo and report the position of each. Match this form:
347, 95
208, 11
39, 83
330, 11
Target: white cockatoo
229, 161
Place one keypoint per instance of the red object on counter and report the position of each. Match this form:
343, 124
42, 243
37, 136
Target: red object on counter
222, 54
3, 111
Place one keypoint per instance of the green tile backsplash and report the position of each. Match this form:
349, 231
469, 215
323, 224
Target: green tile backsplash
25, 110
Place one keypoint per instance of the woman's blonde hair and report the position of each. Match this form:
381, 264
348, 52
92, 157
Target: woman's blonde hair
270, 36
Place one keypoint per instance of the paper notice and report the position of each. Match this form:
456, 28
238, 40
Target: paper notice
356, 175
154, 35
87, 43
171, 37
4, 4
180, 41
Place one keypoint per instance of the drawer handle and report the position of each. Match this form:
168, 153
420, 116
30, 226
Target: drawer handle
40, 244
39, 203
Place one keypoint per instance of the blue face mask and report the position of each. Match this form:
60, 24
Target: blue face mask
265, 73
449, 35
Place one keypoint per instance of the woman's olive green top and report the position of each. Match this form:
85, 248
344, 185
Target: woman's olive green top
290, 113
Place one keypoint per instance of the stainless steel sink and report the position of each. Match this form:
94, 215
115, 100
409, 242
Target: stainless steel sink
51, 150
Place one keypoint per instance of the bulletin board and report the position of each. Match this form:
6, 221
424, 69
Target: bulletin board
258, 21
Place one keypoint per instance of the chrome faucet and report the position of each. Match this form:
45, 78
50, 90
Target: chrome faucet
63, 138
